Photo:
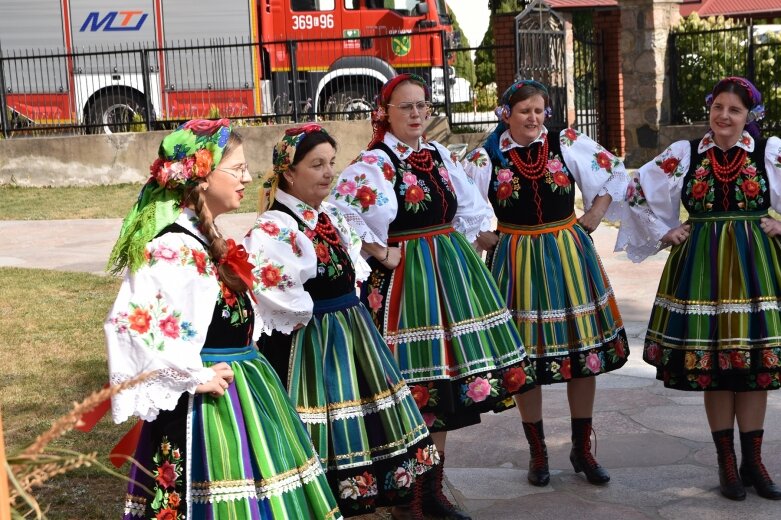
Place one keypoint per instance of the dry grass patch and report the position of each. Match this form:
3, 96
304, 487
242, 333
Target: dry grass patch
52, 354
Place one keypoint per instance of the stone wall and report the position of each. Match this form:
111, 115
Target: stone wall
645, 26
87, 160
125, 158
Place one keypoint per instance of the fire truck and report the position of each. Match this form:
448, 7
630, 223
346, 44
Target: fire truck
98, 63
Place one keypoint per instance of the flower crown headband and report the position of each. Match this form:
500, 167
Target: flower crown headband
757, 111
191, 152
504, 109
282, 157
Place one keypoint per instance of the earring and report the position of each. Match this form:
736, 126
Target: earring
204, 187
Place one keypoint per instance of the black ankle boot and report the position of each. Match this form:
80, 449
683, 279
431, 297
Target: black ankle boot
538, 475
729, 479
581, 457
752, 470
435, 503
414, 509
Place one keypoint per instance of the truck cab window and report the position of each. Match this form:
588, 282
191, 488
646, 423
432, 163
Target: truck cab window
312, 5
351, 4
402, 6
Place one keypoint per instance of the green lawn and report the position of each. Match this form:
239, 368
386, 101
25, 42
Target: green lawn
109, 201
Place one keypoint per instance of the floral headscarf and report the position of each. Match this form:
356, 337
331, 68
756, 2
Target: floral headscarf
380, 123
283, 155
756, 111
187, 155
491, 144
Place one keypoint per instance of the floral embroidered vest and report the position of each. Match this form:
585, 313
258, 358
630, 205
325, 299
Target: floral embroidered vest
548, 196
233, 318
425, 198
746, 190
335, 271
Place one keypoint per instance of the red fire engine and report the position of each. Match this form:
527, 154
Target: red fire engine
98, 63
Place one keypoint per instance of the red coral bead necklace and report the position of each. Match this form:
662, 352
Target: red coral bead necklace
421, 161
326, 230
726, 173
532, 170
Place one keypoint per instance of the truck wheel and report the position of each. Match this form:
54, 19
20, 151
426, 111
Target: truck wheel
347, 105
111, 112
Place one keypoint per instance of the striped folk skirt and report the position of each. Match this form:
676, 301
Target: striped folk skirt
447, 325
244, 455
715, 323
561, 300
360, 414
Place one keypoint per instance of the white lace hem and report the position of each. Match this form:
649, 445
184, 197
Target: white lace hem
160, 392
284, 321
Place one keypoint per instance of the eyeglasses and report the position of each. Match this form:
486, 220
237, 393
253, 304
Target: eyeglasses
237, 172
423, 107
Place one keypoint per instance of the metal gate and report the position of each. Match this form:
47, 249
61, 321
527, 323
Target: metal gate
540, 55
589, 80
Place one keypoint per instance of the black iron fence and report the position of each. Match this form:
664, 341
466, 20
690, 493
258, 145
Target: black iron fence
136, 88
701, 58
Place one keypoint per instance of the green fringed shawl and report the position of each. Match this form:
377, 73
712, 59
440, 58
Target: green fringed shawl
155, 209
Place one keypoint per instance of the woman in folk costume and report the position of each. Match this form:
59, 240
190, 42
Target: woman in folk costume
715, 325
218, 434
429, 292
545, 263
339, 372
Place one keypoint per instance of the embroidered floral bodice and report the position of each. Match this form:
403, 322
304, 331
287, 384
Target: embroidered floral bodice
335, 273
682, 175
745, 189
524, 195
383, 190
424, 198
294, 265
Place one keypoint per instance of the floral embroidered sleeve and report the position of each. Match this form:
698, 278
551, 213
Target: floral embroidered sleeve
653, 202
474, 213
477, 166
364, 194
351, 240
284, 259
159, 323
773, 169
596, 171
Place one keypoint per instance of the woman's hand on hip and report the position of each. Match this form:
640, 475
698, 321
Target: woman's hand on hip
770, 226
219, 383
676, 235
486, 240
393, 259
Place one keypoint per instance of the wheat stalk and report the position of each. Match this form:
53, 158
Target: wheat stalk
38, 463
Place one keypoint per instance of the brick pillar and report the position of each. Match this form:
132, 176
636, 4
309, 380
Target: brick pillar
605, 23
504, 34
645, 28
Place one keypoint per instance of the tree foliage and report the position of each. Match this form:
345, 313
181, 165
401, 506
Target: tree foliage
707, 50
464, 66
485, 68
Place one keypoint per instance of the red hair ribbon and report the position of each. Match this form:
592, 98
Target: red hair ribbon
236, 258
305, 129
